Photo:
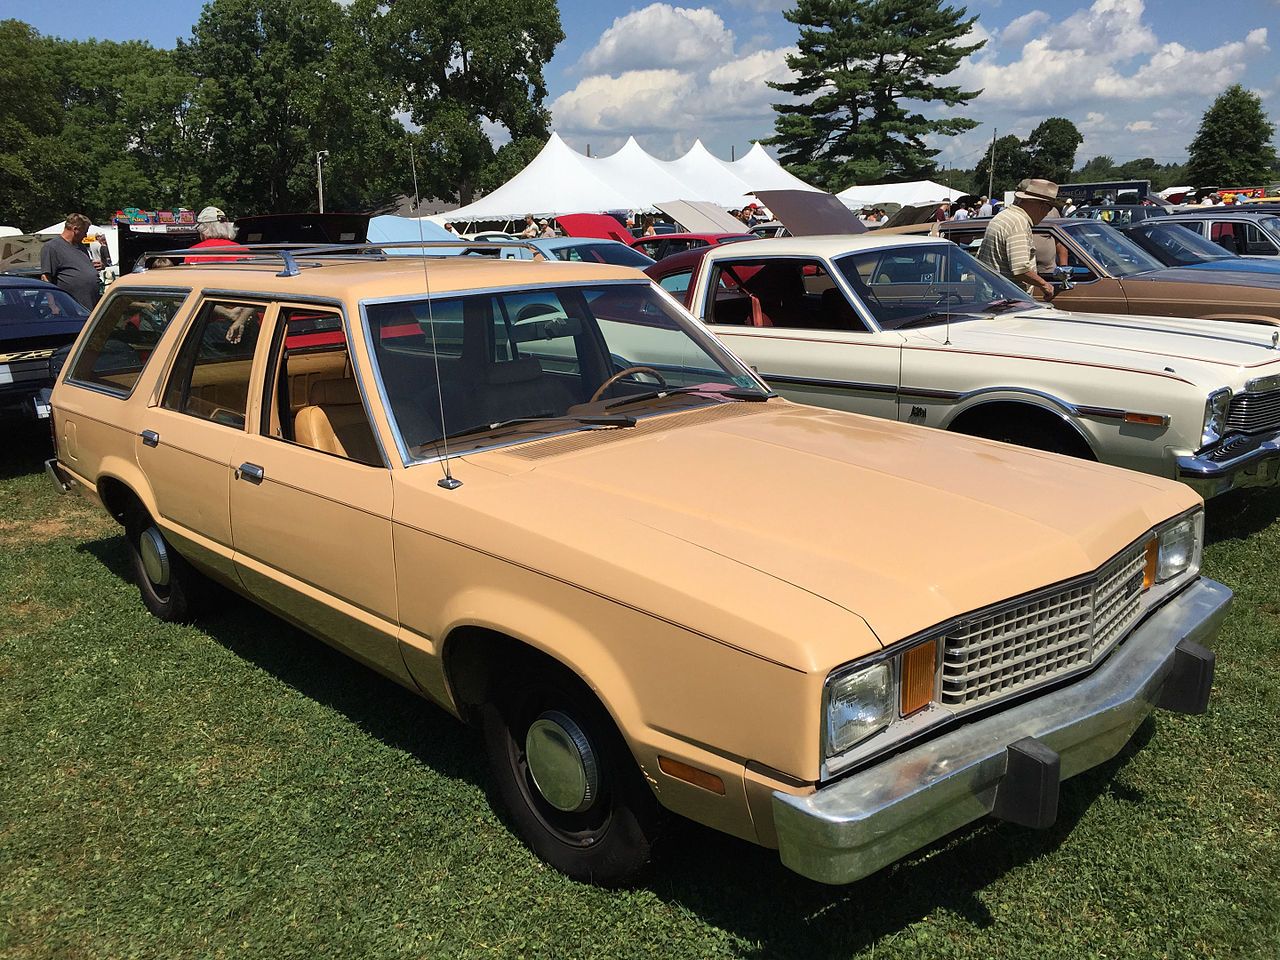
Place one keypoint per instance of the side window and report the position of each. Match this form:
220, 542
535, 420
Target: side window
122, 338
313, 399
729, 303
677, 284
792, 293
1257, 243
210, 376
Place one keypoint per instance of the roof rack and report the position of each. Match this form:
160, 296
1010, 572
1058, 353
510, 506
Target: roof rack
289, 254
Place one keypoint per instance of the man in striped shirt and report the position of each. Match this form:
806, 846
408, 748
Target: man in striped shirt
1008, 247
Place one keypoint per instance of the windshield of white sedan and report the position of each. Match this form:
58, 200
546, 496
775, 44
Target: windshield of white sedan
927, 285
1118, 255
468, 368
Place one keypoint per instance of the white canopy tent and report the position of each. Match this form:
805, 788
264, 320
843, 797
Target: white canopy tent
762, 172
560, 180
903, 194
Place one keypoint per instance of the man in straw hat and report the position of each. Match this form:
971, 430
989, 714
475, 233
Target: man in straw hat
1008, 246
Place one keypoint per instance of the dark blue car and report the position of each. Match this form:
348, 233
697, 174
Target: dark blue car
37, 321
1176, 246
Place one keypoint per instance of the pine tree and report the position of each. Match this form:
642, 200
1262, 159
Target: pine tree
863, 69
1233, 146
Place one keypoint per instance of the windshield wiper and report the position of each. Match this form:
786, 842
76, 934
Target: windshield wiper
733, 393
1007, 303
610, 420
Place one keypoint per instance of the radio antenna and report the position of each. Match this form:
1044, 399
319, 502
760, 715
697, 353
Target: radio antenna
946, 264
448, 481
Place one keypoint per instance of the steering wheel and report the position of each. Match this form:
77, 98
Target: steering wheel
42, 311
942, 297
600, 390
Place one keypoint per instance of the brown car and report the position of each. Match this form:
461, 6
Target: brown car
1109, 273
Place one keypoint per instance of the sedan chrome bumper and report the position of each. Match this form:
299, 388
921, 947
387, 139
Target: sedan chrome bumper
1010, 763
1238, 462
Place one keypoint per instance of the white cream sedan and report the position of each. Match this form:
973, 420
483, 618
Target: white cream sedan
915, 329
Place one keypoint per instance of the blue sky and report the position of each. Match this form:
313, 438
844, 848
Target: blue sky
1134, 75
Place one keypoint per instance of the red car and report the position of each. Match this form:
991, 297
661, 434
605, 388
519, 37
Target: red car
665, 244
674, 273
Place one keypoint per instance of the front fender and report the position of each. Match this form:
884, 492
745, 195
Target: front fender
1068, 413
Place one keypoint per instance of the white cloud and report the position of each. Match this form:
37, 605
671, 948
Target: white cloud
1140, 126
671, 75
1018, 30
660, 35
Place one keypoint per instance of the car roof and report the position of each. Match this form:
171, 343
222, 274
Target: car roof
365, 278
1212, 213
557, 243
822, 246
9, 280
692, 236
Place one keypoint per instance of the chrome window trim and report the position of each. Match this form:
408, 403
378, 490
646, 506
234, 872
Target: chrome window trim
74, 359
690, 325
832, 271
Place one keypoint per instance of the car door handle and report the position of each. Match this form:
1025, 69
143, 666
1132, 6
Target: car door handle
150, 438
251, 472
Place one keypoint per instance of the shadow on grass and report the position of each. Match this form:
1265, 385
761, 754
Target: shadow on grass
28, 444
732, 884
1240, 514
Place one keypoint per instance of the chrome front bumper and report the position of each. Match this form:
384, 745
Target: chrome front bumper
850, 829
1239, 462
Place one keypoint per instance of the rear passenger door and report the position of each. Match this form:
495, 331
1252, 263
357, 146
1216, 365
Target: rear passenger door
310, 501
187, 438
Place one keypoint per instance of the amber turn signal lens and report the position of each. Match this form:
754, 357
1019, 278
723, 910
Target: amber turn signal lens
699, 778
918, 665
1149, 569
1146, 419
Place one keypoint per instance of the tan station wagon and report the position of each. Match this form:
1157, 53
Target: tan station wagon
542, 496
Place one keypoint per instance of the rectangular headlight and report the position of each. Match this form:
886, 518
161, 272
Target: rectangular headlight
1216, 408
1181, 547
858, 704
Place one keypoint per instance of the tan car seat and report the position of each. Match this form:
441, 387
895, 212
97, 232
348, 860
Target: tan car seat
335, 422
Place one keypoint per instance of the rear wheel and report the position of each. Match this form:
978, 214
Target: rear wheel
567, 779
170, 587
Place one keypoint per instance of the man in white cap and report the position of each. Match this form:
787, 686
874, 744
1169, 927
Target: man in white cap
1008, 246
215, 231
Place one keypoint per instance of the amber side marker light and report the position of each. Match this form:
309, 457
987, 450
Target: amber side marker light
1147, 419
1149, 568
699, 778
918, 665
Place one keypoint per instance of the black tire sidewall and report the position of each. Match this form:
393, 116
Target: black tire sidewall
632, 816
174, 604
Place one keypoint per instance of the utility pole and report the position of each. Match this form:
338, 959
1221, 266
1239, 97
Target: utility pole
321, 156
991, 164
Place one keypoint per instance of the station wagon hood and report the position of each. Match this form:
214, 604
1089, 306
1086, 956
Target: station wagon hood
902, 526
1154, 344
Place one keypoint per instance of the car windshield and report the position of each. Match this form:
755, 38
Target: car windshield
927, 285
38, 303
461, 366
1175, 245
1109, 248
607, 251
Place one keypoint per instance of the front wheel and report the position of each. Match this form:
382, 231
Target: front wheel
170, 587
567, 779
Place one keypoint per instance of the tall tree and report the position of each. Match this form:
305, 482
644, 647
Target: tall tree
1008, 160
1233, 146
463, 69
863, 69
276, 82
1051, 149
37, 169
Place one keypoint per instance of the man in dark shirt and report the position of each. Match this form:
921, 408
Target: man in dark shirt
65, 262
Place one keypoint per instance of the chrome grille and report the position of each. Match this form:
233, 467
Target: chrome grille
1016, 647
1254, 412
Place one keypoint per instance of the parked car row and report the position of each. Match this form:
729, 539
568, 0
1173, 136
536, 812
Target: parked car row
546, 497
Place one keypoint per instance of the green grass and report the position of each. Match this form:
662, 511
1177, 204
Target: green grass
238, 789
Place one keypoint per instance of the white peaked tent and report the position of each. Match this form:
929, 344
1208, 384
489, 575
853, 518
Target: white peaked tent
708, 178
903, 194
761, 172
560, 180
633, 172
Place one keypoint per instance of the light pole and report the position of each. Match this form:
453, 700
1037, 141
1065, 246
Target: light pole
321, 156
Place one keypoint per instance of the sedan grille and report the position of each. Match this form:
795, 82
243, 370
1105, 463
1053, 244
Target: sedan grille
1254, 412
1048, 635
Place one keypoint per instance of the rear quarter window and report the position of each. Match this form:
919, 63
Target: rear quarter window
122, 338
